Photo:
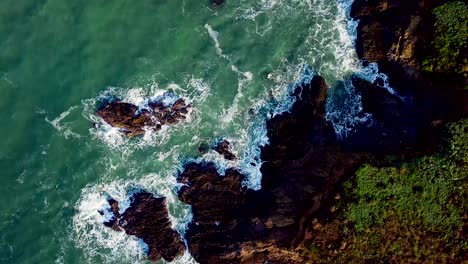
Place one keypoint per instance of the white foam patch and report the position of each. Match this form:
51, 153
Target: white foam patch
96, 239
253, 133
267, 7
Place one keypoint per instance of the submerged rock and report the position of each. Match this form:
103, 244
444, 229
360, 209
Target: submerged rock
147, 218
134, 121
217, 2
203, 148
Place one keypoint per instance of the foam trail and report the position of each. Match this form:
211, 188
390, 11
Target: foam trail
214, 36
247, 147
57, 124
243, 79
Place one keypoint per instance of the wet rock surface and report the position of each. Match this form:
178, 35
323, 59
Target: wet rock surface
394, 34
147, 218
393, 30
133, 121
223, 148
303, 161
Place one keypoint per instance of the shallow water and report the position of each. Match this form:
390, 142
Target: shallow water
59, 59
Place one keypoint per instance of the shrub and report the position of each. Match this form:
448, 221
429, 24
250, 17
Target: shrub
422, 191
451, 34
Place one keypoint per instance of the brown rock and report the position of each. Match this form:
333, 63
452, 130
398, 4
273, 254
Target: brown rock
301, 164
124, 116
133, 121
147, 218
223, 149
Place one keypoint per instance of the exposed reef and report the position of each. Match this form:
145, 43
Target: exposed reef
133, 121
147, 219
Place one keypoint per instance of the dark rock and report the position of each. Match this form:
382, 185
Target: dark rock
218, 215
223, 149
147, 218
133, 121
301, 165
395, 34
393, 30
113, 222
404, 125
203, 148
217, 2
362, 9
124, 116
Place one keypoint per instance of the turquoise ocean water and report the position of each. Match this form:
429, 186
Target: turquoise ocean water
59, 59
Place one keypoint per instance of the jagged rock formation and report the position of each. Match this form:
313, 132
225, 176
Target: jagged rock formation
393, 30
223, 148
133, 121
301, 166
394, 34
147, 218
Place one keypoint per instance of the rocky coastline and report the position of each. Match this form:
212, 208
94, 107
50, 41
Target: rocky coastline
305, 161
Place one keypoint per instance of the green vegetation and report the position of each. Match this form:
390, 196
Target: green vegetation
451, 37
411, 213
422, 190
418, 190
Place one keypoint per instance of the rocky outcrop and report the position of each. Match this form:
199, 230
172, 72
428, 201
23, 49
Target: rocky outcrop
399, 126
147, 218
223, 148
392, 30
219, 220
395, 34
301, 167
133, 121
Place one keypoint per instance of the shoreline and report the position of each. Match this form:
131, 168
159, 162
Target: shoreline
305, 163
